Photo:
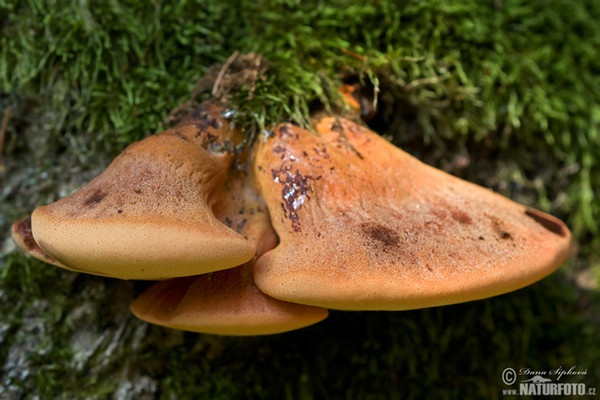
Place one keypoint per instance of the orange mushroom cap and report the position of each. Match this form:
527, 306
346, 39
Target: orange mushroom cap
228, 302
365, 226
224, 302
149, 214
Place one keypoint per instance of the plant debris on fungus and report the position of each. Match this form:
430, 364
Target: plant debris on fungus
265, 239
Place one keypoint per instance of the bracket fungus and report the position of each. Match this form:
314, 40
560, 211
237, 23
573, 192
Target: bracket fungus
149, 214
365, 226
227, 302
266, 240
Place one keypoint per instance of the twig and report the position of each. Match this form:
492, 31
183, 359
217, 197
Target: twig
425, 81
223, 70
352, 54
4, 127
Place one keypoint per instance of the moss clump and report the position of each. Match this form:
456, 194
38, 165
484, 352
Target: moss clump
512, 87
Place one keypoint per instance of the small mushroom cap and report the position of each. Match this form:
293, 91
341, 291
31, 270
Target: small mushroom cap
348, 92
149, 214
227, 302
224, 302
361, 100
365, 226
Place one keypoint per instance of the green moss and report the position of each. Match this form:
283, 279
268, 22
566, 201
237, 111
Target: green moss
512, 86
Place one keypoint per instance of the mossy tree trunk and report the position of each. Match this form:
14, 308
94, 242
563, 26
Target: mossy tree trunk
502, 93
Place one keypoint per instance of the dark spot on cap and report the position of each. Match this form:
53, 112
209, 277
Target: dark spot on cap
544, 220
284, 130
23, 229
180, 134
380, 233
337, 126
278, 149
94, 198
240, 225
215, 123
461, 217
320, 152
444, 209
498, 226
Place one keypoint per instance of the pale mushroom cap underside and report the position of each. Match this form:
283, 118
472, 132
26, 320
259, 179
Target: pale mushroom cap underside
363, 225
223, 303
